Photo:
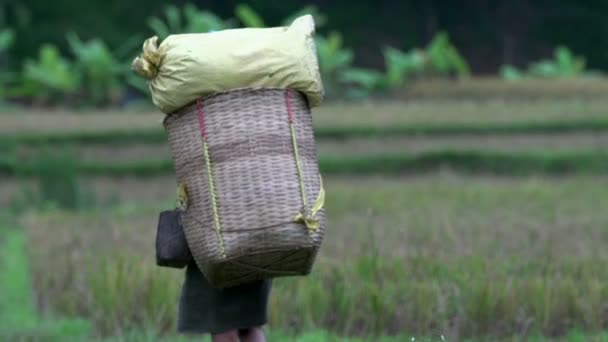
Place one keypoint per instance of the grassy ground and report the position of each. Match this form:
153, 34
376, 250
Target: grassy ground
515, 142
429, 254
434, 255
20, 321
483, 88
358, 146
362, 146
377, 114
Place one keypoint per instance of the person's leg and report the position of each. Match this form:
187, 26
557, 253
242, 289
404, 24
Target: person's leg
228, 336
255, 334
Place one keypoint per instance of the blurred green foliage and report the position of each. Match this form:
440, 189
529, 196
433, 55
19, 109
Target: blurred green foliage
100, 70
334, 60
248, 16
188, 19
6, 40
405, 280
320, 18
57, 183
563, 65
7, 37
479, 28
19, 320
400, 65
97, 72
57, 179
444, 59
439, 59
48, 79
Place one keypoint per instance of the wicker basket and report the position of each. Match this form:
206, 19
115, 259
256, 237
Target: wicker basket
249, 163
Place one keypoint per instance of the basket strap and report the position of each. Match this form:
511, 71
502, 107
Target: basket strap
212, 190
308, 217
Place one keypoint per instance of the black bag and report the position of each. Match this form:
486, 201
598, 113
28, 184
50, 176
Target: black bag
171, 245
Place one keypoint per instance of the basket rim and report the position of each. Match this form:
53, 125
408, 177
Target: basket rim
185, 109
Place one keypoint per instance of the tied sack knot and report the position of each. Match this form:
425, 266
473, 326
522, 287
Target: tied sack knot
146, 65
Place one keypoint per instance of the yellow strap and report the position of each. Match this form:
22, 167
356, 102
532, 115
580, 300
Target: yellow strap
307, 217
311, 221
216, 216
298, 164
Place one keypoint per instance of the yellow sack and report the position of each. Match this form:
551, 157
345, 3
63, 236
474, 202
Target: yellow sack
187, 66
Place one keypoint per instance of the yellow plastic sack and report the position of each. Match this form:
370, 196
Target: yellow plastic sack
187, 66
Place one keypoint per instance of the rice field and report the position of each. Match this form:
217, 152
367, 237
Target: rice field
440, 253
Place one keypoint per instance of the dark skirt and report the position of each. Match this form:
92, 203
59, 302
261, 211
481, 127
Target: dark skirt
205, 309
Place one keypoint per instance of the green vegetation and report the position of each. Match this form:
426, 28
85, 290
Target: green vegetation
100, 69
471, 161
7, 37
491, 89
57, 183
400, 65
188, 19
16, 305
407, 23
250, 18
48, 79
334, 61
98, 74
444, 59
452, 104
452, 255
155, 136
459, 208
147, 136
508, 163
513, 253
554, 127
563, 65
440, 59
18, 317
19, 320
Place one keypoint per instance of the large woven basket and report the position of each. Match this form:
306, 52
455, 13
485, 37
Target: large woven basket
248, 161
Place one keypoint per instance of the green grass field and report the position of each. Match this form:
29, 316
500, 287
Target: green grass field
375, 114
560, 142
478, 214
446, 254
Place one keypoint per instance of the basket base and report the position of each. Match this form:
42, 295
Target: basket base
240, 270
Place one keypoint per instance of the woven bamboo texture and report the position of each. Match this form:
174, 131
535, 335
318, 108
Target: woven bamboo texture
234, 151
